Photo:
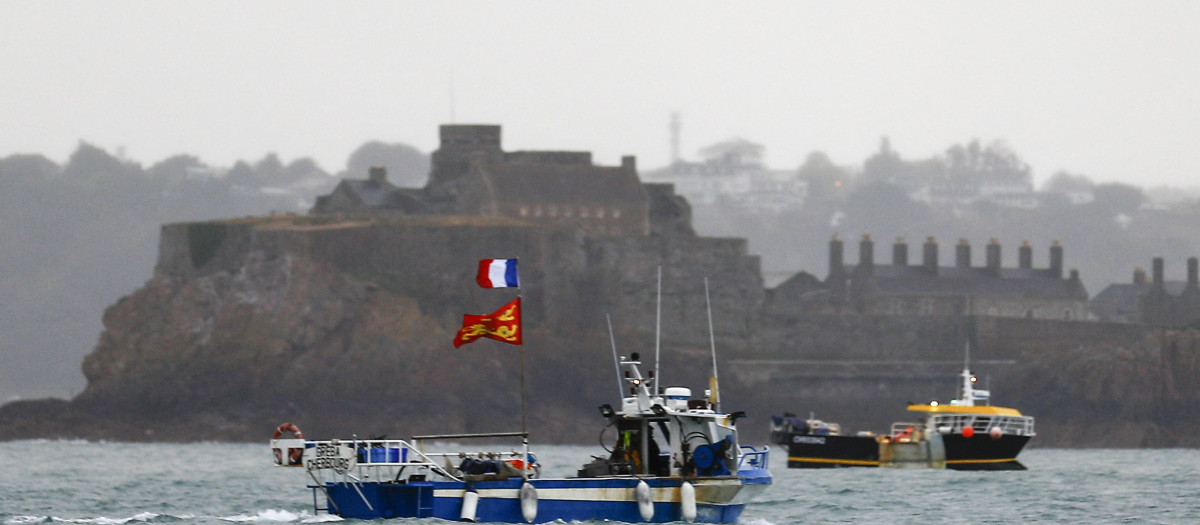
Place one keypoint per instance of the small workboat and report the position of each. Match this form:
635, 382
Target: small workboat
673, 458
966, 434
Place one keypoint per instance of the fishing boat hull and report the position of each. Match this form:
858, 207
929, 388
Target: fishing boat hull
717, 500
983, 452
952, 451
807, 451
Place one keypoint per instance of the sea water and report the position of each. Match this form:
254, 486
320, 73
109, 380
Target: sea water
89, 483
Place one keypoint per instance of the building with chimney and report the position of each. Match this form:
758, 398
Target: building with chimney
928, 287
1157, 302
472, 175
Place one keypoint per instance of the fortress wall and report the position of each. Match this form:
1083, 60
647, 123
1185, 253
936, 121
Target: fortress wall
632, 263
1014, 338
567, 279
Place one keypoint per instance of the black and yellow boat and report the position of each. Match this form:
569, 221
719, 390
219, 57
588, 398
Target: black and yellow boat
966, 434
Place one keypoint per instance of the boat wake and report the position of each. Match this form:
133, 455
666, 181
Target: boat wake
282, 516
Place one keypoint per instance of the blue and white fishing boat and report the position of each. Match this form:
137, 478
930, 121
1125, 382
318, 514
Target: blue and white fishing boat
674, 458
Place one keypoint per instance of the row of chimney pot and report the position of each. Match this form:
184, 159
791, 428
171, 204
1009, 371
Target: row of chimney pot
962, 255
1193, 274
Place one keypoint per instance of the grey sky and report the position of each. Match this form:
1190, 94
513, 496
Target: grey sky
1108, 89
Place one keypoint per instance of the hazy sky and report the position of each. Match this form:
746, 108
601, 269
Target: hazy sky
1101, 88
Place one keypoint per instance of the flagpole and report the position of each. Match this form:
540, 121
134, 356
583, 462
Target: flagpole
524, 431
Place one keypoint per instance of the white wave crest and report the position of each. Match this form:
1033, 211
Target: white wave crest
755, 521
320, 518
267, 515
142, 517
25, 520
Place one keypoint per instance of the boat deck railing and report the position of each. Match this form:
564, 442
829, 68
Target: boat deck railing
983, 423
395, 460
751, 457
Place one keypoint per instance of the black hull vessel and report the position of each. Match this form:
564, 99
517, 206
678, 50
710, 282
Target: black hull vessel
960, 435
984, 452
806, 451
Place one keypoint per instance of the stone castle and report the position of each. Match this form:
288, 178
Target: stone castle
472, 176
343, 319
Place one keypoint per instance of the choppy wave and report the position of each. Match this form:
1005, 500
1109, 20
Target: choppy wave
144, 517
89, 483
281, 515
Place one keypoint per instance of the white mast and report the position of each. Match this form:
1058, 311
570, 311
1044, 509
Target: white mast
657, 379
970, 394
714, 397
616, 363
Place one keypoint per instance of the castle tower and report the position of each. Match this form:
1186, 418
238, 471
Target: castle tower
459, 143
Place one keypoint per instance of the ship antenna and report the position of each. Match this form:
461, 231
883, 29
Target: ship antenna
616, 365
715, 398
967, 359
657, 334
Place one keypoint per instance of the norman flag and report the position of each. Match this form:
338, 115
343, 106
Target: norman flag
498, 273
502, 325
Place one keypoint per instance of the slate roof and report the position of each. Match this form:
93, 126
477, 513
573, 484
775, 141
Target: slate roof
564, 184
978, 282
1119, 302
373, 194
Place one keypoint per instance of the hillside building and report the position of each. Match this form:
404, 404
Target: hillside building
1156, 303
929, 288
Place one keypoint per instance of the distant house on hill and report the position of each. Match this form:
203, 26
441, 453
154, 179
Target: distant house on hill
472, 175
372, 197
1155, 303
929, 288
733, 179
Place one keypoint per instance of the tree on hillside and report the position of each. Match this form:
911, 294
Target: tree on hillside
879, 204
27, 167
1065, 182
736, 149
174, 168
406, 166
825, 180
91, 162
1119, 198
886, 166
975, 163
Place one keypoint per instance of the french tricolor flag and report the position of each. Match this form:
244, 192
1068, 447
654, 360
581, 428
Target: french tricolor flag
498, 273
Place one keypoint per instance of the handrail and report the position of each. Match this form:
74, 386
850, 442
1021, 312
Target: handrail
758, 458
1017, 425
471, 436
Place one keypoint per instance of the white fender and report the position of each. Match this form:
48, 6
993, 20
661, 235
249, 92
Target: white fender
469, 502
529, 502
644, 500
687, 502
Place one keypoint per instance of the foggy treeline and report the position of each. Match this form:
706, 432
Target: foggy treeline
1115, 229
76, 237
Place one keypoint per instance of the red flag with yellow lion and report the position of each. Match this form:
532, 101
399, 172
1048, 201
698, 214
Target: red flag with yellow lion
502, 325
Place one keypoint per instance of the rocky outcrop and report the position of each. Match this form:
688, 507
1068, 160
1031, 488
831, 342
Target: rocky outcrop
345, 327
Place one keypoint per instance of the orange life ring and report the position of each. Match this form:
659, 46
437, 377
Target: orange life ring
294, 454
